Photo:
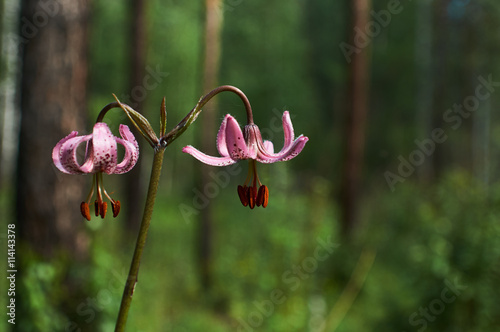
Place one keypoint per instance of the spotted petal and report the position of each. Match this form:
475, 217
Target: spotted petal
57, 153
287, 130
101, 151
291, 147
234, 145
105, 148
266, 157
64, 154
221, 138
131, 150
206, 159
235, 141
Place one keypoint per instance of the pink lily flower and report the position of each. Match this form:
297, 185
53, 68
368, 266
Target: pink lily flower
234, 145
100, 157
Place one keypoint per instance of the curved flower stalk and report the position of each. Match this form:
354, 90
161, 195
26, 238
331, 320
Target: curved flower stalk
234, 145
100, 157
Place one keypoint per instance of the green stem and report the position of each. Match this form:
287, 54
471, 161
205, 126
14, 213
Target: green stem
128, 292
167, 139
346, 299
235, 90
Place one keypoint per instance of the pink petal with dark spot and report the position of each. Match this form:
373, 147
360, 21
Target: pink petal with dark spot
235, 141
131, 150
105, 148
65, 158
206, 159
221, 138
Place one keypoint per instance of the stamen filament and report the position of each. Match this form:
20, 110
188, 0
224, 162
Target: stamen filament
100, 207
91, 193
99, 190
115, 205
103, 206
250, 173
106, 194
256, 176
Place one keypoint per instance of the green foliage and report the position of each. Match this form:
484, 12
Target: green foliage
251, 257
451, 234
425, 235
424, 238
38, 283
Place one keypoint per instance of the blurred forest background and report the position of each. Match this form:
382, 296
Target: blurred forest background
387, 221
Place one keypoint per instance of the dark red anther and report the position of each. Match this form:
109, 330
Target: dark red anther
84, 209
263, 196
103, 209
96, 208
115, 206
242, 193
252, 195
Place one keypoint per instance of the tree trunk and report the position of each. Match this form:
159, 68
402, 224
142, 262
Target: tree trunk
481, 119
213, 25
441, 56
425, 87
5, 76
50, 228
356, 120
135, 191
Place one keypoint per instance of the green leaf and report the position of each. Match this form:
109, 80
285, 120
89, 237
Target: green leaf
163, 118
140, 122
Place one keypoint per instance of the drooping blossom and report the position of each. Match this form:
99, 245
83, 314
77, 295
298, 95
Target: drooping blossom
234, 145
101, 156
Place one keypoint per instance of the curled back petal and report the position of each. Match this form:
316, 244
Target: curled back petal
88, 164
56, 152
268, 145
287, 130
105, 148
235, 141
209, 160
129, 159
253, 139
296, 147
66, 158
131, 150
221, 138
127, 135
